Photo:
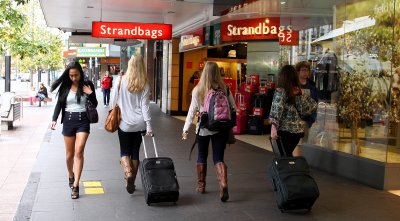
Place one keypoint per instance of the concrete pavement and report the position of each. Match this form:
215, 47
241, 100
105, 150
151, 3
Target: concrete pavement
19, 148
47, 196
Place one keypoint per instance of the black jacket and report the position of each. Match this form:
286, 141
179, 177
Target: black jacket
62, 101
43, 91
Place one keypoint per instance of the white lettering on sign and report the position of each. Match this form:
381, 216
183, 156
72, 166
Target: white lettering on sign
131, 31
285, 37
190, 40
261, 29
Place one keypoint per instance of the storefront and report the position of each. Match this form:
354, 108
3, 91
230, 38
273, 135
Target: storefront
354, 53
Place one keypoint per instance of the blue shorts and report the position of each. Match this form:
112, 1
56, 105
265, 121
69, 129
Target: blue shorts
75, 122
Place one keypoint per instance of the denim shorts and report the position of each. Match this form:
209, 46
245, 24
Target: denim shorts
75, 122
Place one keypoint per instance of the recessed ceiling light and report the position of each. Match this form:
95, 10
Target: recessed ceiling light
282, 3
89, 6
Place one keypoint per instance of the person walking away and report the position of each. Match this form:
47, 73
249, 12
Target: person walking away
289, 104
303, 69
106, 85
209, 79
133, 100
72, 95
42, 94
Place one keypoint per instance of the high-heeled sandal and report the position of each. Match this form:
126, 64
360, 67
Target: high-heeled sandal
71, 181
75, 192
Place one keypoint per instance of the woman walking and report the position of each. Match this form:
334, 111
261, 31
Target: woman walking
132, 96
210, 79
289, 105
72, 95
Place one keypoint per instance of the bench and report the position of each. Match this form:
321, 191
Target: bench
32, 100
10, 115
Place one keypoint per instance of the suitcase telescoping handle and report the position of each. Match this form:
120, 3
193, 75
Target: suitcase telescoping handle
144, 145
277, 147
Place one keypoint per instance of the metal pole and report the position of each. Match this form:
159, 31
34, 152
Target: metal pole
8, 71
90, 69
96, 72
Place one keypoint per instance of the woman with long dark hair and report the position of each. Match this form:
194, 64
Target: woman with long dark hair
72, 94
288, 106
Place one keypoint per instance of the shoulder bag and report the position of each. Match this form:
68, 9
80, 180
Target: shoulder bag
91, 112
114, 115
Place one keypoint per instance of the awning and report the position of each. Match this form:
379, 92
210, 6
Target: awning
348, 26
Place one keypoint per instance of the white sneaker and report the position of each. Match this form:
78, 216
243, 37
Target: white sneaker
105, 105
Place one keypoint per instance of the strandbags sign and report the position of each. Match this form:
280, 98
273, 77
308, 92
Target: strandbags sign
259, 29
131, 30
91, 52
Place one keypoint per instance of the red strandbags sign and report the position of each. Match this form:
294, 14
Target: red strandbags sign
259, 29
131, 30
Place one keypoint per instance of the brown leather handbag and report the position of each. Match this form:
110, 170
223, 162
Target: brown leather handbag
114, 115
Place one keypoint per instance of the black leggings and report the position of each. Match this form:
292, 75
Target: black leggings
218, 147
129, 143
290, 141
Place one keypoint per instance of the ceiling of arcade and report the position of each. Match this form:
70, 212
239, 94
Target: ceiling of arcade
77, 15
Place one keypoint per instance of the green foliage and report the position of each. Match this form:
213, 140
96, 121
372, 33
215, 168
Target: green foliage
11, 22
23, 31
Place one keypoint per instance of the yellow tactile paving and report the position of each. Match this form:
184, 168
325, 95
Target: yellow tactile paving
91, 183
93, 187
94, 190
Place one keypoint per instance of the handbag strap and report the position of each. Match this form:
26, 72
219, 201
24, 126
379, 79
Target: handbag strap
119, 89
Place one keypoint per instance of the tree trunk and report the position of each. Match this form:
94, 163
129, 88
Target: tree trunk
355, 148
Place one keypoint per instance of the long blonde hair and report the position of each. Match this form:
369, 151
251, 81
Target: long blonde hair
136, 74
210, 79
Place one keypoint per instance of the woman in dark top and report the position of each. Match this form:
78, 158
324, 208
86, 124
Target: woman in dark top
72, 95
42, 94
289, 105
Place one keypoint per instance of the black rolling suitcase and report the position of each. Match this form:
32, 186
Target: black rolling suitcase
158, 178
255, 125
295, 188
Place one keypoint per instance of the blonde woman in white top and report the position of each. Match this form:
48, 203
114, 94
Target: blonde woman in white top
210, 79
135, 116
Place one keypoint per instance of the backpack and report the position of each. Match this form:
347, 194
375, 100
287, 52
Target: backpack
217, 111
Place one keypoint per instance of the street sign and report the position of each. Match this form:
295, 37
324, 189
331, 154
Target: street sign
91, 52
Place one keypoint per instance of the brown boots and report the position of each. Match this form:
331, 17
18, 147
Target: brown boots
130, 168
201, 177
223, 181
222, 176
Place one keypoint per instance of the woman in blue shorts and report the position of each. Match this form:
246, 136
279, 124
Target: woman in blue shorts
73, 93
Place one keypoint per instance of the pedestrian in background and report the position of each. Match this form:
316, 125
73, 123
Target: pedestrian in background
303, 69
209, 79
106, 85
132, 93
72, 95
289, 105
41, 94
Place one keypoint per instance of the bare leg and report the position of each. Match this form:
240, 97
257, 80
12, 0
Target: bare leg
70, 152
297, 151
80, 143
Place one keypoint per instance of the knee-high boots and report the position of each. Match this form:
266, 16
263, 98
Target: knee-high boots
201, 177
130, 170
222, 176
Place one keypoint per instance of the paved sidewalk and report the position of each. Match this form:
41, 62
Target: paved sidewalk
19, 148
47, 195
